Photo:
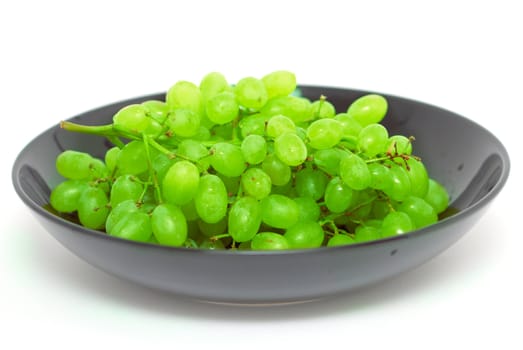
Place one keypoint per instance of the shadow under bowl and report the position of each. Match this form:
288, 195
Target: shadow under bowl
466, 158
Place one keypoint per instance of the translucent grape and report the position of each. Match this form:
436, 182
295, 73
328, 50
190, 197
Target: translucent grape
380, 177
350, 127
323, 109
156, 110
251, 93
134, 226
254, 149
368, 109
354, 172
184, 122
399, 144
222, 108
367, 233
304, 235
421, 213
227, 159
213, 84
324, 133
373, 139
184, 95
256, 183
290, 149
338, 196
252, 125
437, 196
298, 109
396, 223
419, 178
74, 165
192, 150
278, 125
92, 208
310, 183
339, 240
244, 219
279, 83
269, 241
279, 211
400, 187
117, 212
169, 225
328, 160
180, 183
64, 197
125, 187
132, 159
111, 158
211, 199
132, 117
308, 209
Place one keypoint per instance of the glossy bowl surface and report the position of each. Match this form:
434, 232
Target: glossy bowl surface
470, 161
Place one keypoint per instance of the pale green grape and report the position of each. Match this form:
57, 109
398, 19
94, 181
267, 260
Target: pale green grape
380, 177
213, 84
338, 196
117, 212
269, 241
125, 187
368, 109
254, 149
251, 93
92, 208
437, 196
399, 144
279, 211
156, 110
304, 235
111, 158
184, 122
350, 127
323, 109
419, 178
222, 108
227, 159
64, 197
74, 165
180, 183
373, 139
211, 199
192, 150
290, 149
298, 109
278, 125
354, 172
279, 83
252, 125
328, 160
168, 224
132, 159
244, 219
421, 213
184, 95
324, 133
399, 187
256, 183
132, 117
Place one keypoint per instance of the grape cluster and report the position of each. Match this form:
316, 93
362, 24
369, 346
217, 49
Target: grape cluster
249, 166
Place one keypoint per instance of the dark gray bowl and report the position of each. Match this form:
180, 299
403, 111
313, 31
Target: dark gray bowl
466, 158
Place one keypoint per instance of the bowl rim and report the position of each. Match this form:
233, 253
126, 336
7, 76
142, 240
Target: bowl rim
450, 220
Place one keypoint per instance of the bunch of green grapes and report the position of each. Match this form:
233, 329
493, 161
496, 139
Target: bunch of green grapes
249, 166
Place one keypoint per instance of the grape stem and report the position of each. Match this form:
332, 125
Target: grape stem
217, 237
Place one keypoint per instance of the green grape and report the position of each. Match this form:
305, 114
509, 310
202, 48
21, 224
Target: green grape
227, 159
310, 183
117, 212
298, 109
132, 159
232, 184
308, 209
290, 149
211, 199
380, 209
338, 196
184, 122
252, 125
156, 110
251, 93
132, 117
324, 133
74, 165
400, 187
244, 219
209, 230
329, 159
366, 233
323, 109
180, 183
212, 245
256, 183
350, 127
189, 211
437, 196
279, 172
254, 149
354, 172
203, 133
184, 95
64, 197
419, 179
380, 177
278, 125
222, 132
213, 84
135, 226
399, 144
339, 240
421, 213
191, 150
222, 108
279, 83
368, 109
92, 208
161, 164
269, 241
169, 225
279, 211
396, 223
305, 234
373, 139
111, 158
125, 187
98, 169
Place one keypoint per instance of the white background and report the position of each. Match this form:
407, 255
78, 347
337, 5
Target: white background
60, 59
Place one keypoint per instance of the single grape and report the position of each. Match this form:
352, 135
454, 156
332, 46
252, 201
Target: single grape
169, 225
368, 109
111, 158
399, 144
132, 117
184, 122
339, 240
244, 219
421, 213
298, 109
211, 199
213, 84
134, 226
310, 183
419, 178
227, 159
74, 165
191, 150
329, 160
396, 223
269, 241
354, 172
117, 212
279, 211
350, 127
254, 149
437, 196
338, 196
380, 177
308, 209
64, 197
222, 108
305, 234
400, 187
251, 93
132, 159
156, 110
324, 133
366, 233
278, 125
125, 187
323, 109
184, 95
256, 183
180, 183
373, 139
290, 149
92, 208
252, 125
279, 172
279, 83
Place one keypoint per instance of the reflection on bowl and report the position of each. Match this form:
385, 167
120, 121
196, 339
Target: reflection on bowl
467, 159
